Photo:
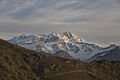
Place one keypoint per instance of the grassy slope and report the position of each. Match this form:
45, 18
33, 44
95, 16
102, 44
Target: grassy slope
17, 63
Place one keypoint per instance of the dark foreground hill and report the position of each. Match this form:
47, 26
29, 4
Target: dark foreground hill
17, 63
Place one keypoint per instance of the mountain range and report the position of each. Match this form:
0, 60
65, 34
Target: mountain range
67, 45
18, 63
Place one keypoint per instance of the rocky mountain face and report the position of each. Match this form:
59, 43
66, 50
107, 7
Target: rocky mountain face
67, 42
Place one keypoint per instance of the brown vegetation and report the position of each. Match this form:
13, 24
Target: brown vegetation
17, 63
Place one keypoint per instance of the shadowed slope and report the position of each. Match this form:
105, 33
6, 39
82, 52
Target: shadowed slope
113, 55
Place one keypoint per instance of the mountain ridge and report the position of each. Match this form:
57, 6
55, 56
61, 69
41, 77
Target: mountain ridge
55, 42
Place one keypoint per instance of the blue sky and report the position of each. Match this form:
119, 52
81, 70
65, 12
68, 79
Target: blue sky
94, 20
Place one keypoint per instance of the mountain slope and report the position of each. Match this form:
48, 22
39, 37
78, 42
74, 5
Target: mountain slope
17, 63
113, 55
62, 54
66, 42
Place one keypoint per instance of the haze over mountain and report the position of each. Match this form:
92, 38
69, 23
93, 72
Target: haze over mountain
65, 45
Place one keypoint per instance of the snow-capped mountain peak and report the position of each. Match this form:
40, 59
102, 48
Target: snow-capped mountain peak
62, 37
71, 37
55, 42
19, 36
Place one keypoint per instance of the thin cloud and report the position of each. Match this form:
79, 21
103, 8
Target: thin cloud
91, 17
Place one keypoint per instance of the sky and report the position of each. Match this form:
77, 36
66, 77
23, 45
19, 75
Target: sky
96, 21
